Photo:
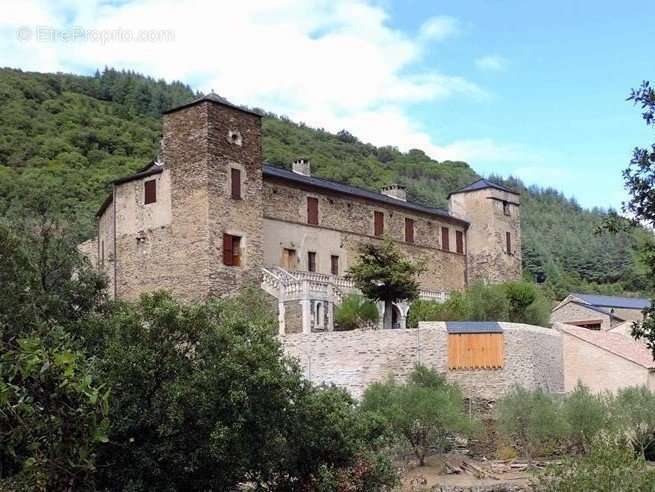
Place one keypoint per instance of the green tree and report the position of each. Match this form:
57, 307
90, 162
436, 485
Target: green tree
529, 421
426, 410
382, 273
640, 183
53, 413
53, 409
355, 312
204, 399
586, 415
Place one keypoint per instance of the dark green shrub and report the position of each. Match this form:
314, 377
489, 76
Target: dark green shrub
530, 421
633, 410
586, 416
607, 468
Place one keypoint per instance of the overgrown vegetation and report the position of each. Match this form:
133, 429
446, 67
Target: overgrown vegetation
355, 312
516, 302
159, 395
426, 411
67, 136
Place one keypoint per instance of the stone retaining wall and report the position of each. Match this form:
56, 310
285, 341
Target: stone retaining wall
355, 359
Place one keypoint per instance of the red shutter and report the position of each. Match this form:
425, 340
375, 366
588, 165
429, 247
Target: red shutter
150, 191
459, 238
236, 183
228, 250
409, 230
312, 210
445, 239
508, 238
378, 218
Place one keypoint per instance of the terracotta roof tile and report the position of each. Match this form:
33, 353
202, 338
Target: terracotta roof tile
615, 343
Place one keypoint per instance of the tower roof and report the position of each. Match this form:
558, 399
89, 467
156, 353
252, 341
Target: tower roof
483, 184
215, 98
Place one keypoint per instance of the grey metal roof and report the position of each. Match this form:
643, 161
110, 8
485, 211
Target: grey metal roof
456, 327
213, 98
614, 301
278, 172
482, 184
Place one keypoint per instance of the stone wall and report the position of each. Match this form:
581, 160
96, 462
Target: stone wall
575, 313
355, 359
345, 222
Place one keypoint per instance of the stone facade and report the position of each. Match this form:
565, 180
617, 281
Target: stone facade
578, 314
177, 241
355, 359
344, 223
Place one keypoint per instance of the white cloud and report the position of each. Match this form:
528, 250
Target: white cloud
332, 64
493, 63
439, 28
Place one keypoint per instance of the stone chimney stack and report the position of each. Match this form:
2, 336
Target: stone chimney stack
302, 166
396, 191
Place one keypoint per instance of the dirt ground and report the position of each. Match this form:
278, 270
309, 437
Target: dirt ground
435, 474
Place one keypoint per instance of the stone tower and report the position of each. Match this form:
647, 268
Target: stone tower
212, 150
494, 235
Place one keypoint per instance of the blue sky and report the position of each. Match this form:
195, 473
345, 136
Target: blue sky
533, 89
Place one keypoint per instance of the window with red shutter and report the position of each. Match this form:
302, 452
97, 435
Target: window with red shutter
235, 179
231, 250
334, 265
459, 239
311, 261
150, 191
508, 240
445, 239
409, 230
378, 223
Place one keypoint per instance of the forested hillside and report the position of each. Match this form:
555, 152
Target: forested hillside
64, 137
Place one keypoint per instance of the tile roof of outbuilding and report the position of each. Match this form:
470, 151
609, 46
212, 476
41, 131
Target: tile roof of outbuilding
335, 186
615, 343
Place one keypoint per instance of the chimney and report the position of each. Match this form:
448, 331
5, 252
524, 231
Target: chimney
302, 166
396, 191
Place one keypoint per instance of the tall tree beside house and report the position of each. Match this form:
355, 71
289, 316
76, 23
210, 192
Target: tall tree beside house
640, 183
382, 273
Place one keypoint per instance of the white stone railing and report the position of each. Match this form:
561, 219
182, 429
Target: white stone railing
289, 286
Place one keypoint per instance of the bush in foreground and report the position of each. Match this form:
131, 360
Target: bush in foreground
607, 468
426, 411
529, 421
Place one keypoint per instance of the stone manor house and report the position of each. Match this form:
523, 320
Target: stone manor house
210, 217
